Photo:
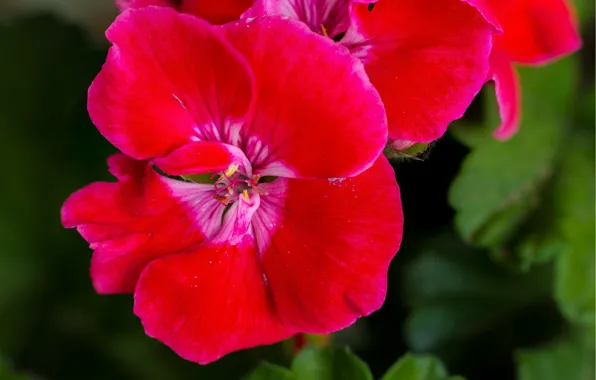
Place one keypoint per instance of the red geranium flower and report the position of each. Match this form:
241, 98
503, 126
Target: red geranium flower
427, 58
277, 214
214, 11
535, 32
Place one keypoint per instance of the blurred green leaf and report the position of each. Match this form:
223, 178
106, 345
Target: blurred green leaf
266, 371
500, 182
6, 372
340, 364
419, 367
329, 364
458, 295
314, 363
539, 249
575, 189
44, 81
563, 360
585, 10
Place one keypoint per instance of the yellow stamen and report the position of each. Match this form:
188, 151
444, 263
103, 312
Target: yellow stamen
230, 191
221, 199
324, 30
245, 193
231, 169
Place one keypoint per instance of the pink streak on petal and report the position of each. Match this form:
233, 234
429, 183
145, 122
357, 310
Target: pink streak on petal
508, 92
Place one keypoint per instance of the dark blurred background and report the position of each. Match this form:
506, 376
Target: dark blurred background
495, 275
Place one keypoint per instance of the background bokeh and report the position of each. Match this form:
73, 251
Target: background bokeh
495, 275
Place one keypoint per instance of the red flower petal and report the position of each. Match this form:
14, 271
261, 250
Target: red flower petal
427, 58
536, 31
208, 302
314, 103
125, 4
136, 220
201, 157
168, 77
215, 12
508, 91
326, 263
487, 11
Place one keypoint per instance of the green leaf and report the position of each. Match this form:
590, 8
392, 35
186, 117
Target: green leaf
329, 364
563, 360
500, 182
418, 367
200, 178
415, 152
267, 371
575, 189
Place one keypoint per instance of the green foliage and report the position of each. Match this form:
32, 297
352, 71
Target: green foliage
585, 10
44, 97
6, 373
575, 188
316, 364
531, 202
565, 359
457, 296
329, 364
340, 364
419, 367
415, 152
266, 371
499, 184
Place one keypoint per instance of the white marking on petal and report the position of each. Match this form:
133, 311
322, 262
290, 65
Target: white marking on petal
269, 217
180, 101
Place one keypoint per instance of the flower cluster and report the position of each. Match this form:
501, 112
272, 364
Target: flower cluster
253, 201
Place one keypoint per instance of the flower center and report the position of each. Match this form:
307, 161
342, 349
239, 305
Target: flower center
231, 184
325, 33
